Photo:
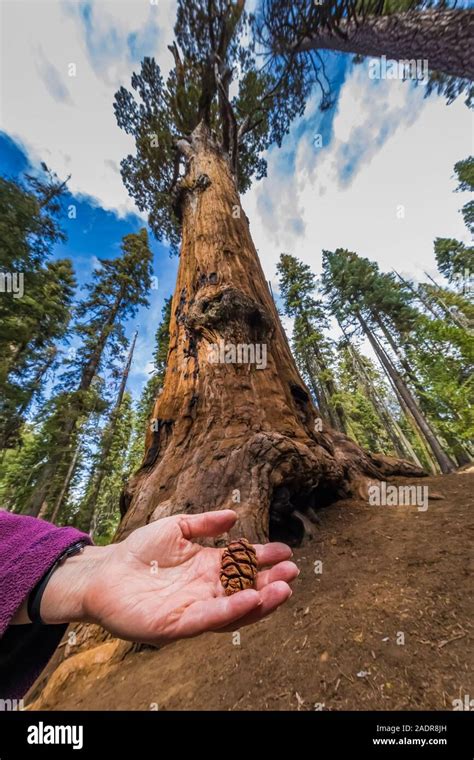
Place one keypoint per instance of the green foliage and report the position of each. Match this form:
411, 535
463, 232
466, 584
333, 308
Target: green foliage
353, 283
118, 287
455, 259
443, 362
283, 25
106, 510
465, 173
432, 354
213, 50
297, 285
29, 219
312, 350
150, 391
350, 392
162, 340
364, 421
148, 176
18, 469
33, 319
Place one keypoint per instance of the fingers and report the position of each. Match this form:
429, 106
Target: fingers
270, 554
207, 524
272, 596
213, 614
283, 571
220, 521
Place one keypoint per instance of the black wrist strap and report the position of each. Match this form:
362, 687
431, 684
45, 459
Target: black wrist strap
34, 599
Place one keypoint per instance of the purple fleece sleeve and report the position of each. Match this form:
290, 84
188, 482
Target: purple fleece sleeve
28, 548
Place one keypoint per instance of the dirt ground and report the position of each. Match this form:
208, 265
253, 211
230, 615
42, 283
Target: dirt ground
384, 626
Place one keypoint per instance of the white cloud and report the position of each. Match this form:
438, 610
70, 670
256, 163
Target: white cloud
68, 121
404, 147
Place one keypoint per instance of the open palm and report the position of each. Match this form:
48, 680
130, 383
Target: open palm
157, 586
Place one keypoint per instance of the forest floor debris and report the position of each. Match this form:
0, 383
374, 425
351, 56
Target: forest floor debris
397, 608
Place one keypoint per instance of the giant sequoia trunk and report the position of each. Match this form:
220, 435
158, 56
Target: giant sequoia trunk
228, 434
443, 38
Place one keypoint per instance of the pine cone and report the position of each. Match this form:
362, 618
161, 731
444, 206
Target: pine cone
238, 566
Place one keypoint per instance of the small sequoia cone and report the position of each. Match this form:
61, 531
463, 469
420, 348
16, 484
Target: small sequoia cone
238, 566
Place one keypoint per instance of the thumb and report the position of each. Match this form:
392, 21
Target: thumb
207, 523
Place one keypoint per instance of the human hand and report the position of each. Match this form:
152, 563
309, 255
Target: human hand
157, 586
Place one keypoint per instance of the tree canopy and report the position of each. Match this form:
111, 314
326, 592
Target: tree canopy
216, 81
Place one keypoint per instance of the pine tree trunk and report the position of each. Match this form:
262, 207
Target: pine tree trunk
85, 518
335, 414
418, 295
230, 434
441, 457
443, 38
462, 456
38, 498
318, 391
428, 454
456, 447
321, 390
66, 483
64, 453
401, 444
404, 363
448, 313
14, 422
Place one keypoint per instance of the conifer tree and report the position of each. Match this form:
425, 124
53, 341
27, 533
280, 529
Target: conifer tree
143, 413
35, 293
445, 357
312, 350
454, 258
359, 394
359, 369
435, 31
118, 287
114, 471
85, 519
360, 295
362, 394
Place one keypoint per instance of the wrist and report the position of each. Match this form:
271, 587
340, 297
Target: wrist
65, 598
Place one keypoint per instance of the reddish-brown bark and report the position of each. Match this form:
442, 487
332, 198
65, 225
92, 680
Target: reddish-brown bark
441, 37
232, 435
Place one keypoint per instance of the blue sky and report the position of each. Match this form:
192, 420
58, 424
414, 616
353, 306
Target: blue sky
384, 146
97, 233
